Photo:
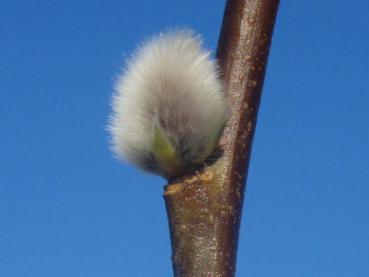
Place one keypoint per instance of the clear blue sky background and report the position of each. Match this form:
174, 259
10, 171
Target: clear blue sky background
67, 208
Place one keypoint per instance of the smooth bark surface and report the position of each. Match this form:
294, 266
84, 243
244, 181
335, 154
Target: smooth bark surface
204, 208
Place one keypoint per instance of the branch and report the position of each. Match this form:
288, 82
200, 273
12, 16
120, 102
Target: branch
204, 208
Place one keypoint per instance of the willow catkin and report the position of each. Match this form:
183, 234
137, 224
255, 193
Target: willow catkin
169, 107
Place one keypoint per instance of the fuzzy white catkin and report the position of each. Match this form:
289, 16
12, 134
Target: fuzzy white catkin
169, 107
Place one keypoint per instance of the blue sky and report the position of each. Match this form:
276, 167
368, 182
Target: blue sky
67, 208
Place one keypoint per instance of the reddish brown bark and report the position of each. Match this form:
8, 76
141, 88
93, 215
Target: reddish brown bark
204, 208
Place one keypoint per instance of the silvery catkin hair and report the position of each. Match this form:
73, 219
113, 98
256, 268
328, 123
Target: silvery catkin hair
169, 108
